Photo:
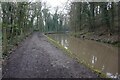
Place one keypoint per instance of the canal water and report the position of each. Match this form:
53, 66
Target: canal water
103, 57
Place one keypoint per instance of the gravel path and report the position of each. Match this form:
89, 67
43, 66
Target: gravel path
37, 58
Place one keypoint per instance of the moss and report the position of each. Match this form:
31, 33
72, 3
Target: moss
68, 52
98, 72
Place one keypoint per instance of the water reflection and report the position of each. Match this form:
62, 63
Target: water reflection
101, 56
103, 67
94, 59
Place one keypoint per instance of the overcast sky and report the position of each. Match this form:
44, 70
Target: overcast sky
54, 3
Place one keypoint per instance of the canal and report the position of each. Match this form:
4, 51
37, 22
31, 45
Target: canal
103, 57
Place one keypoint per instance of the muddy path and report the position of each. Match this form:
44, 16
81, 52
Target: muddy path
37, 58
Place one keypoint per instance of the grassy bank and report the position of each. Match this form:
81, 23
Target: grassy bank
68, 52
99, 37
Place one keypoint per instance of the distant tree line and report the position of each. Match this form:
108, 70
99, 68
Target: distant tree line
54, 22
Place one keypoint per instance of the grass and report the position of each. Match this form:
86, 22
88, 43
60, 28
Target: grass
68, 52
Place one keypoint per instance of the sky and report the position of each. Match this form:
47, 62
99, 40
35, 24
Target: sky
55, 3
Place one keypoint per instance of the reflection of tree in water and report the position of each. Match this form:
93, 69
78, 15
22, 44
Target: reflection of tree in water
94, 59
64, 42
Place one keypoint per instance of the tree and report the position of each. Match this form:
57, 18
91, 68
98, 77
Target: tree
18, 20
91, 16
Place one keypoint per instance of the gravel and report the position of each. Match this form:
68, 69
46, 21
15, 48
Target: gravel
37, 58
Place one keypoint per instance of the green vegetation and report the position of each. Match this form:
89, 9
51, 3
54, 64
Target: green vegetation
95, 20
84, 19
90, 20
53, 22
22, 18
91, 16
17, 22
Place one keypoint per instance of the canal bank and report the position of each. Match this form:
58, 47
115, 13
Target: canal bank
101, 58
112, 39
